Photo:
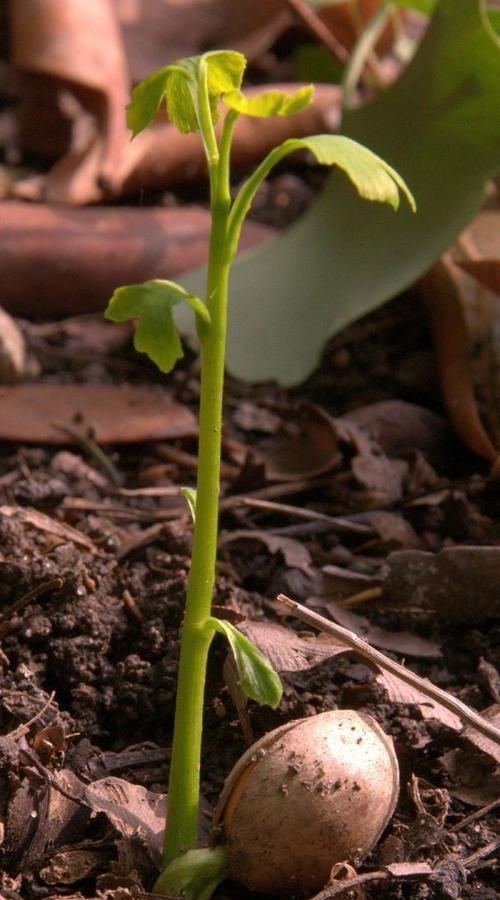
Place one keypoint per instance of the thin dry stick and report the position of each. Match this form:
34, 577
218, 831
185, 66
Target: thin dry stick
361, 597
477, 814
55, 584
455, 706
25, 727
318, 29
337, 522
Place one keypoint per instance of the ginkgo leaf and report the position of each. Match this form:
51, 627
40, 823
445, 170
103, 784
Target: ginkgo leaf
151, 303
189, 495
270, 103
177, 84
345, 257
373, 178
258, 679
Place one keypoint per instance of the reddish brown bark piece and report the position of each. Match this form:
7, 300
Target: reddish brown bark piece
60, 262
36, 413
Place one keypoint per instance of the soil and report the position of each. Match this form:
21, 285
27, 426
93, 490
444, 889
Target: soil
90, 633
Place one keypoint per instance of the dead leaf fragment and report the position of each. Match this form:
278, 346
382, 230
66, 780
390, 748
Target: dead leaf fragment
399, 427
156, 34
135, 812
36, 413
400, 692
72, 864
380, 480
402, 642
295, 554
337, 583
460, 584
78, 45
288, 651
466, 367
471, 776
51, 526
305, 446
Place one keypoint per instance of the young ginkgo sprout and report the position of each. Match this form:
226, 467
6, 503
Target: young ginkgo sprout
194, 90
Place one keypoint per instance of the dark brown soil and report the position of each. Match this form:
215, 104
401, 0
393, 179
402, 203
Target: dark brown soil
100, 629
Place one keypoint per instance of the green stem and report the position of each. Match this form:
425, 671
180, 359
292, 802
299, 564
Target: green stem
184, 783
248, 190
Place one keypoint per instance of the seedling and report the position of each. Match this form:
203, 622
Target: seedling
193, 90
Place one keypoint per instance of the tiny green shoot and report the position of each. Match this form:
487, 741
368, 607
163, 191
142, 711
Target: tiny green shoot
193, 90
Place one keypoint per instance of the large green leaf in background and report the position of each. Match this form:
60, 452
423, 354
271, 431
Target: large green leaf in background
439, 127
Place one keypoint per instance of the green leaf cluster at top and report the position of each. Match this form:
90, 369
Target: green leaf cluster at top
178, 84
192, 89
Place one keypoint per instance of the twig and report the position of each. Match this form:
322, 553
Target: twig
361, 597
318, 29
451, 703
55, 584
337, 522
94, 451
477, 814
418, 870
25, 727
481, 853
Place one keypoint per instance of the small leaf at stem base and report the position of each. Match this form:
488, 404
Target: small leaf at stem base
194, 874
189, 495
258, 679
151, 303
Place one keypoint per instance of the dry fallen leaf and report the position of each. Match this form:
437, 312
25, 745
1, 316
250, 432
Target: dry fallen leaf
347, 21
110, 414
73, 56
402, 683
459, 584
75, 47
471, 776
486, 271
158, 33
134, 812
378, 479
295, 554
305, 446
461, 294
288, 651
51, 526
399, 427
402, 642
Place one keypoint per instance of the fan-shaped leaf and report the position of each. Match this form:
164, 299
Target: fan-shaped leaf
270, 103
373, 178
177, 84
151, 303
